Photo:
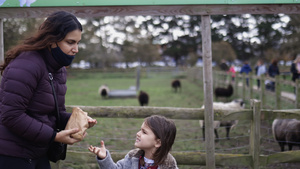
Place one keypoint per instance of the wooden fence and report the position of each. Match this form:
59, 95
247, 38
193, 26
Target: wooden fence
253, 115
280, 94
241, 89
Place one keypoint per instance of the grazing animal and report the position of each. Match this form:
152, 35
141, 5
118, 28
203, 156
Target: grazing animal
176, 85
223, 92
103, 91
237, 104
143, 98
286, 131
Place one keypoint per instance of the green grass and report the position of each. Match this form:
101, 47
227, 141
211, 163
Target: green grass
83, 90
119, 133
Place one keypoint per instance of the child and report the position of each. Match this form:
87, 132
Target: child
232, 71
153, 143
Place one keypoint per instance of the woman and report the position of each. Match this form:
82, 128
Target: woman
27, 106
295, 68
246, 69
260, 70
273, 71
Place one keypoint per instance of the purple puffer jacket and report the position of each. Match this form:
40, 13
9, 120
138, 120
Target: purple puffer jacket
27, 104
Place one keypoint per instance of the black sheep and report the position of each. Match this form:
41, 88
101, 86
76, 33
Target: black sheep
176, 85
224, 92
143, 98
103, 91
286, 131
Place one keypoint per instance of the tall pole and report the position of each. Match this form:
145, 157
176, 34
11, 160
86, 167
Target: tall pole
208, 92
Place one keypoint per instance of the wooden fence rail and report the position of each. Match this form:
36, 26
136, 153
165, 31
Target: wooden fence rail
252, 115
247, 92
220, 78
198, 158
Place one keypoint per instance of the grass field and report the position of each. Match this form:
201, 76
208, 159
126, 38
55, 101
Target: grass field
119, 134
83, 90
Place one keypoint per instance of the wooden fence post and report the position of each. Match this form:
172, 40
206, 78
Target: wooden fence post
278, 92
297, 90
250, 77
215, 78
138, 74
195, 74
263, 89
244, 86
255, 133
236, 85
208, 92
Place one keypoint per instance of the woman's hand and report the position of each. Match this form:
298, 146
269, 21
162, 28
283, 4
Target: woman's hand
91, 121
99, 151
64, 136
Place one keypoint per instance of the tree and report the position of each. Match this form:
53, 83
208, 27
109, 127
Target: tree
222, 50
143, 51
249, 35
269, 37
129, 50
192, 59
164, 30
108, 39
16, 30
147, 52
291, 43
94, 45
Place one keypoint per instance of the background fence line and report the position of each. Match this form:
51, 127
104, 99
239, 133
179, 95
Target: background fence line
242, 90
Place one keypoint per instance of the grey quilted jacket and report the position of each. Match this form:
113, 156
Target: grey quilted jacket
131, 161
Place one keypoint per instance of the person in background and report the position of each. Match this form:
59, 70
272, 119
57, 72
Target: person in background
295, 69
232, 72
273, 71
153, 144
223, 65
260, 70
27, 106
246, 69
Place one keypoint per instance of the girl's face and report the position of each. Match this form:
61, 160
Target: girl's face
69, 45
146, 140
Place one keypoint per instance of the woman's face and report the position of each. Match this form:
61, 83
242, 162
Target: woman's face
69, 45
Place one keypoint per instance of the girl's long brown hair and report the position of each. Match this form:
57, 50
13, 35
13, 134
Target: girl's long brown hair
165, 130
53, 29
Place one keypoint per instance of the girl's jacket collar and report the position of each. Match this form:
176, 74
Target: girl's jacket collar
169, 163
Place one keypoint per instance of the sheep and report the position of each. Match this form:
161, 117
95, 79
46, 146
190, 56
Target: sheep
103, 91
235, 104
176, 84
224, 92
286, 131
143, 98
